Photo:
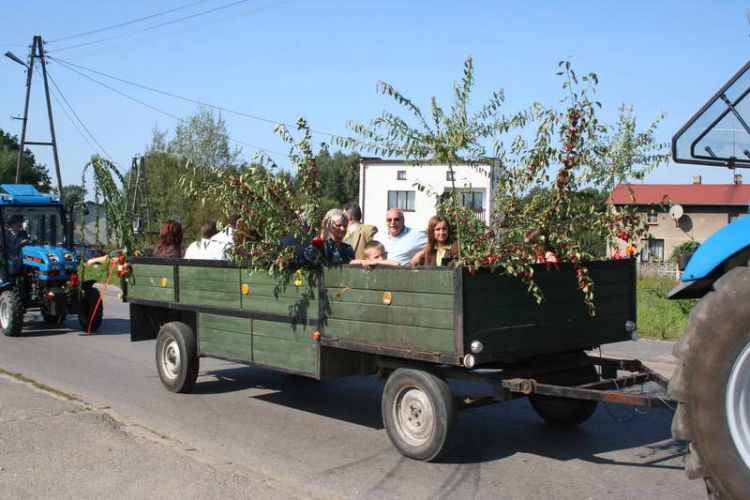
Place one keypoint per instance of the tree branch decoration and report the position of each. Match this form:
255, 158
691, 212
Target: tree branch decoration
541, 158
277, 213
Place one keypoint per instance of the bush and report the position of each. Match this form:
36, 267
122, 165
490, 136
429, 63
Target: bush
685, 248
659, 317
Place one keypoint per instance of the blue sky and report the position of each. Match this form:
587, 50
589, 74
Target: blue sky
321, 59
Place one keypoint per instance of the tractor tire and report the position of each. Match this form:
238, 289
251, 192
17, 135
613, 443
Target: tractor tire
177, 356
712, 387
567, 412
11, 313
86, 307
418, 413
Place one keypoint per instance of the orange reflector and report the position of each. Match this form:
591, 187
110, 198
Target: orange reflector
315, 336
163, 282
245, 289
387, 298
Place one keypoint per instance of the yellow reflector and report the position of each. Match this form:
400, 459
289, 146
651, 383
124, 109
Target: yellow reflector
163, 282
387, 297
245, 289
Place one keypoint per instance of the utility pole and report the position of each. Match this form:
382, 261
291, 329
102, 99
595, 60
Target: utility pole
138, 196
37, 52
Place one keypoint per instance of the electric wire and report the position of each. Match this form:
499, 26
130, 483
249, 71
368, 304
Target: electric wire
130, 43
152, 27
106, 153
127, 23
59, 102
188, 99
167, 113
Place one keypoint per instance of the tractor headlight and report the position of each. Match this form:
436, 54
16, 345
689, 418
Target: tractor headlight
67, 257
52, 257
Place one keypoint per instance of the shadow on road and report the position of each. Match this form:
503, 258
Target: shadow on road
482, 434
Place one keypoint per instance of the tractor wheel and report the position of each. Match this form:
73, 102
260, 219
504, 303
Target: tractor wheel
418, 413
177, 356
566, 411
712, 387
11, 313
88, 302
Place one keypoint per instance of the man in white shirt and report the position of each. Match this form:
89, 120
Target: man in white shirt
203, 248
222, 241
401, 242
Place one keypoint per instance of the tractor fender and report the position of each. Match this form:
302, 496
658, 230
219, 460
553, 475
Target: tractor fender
713, 258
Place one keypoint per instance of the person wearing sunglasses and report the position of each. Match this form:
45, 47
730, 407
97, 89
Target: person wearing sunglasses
401, 242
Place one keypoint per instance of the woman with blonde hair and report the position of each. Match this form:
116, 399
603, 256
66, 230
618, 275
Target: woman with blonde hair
332, 230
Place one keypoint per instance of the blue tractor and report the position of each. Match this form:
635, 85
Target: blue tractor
712, 381
36, 269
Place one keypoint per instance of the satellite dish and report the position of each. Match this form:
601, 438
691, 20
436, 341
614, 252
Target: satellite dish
676, 212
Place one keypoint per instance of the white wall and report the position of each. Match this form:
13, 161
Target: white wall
377, 177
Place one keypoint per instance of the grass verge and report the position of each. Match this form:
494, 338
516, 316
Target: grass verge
659, 317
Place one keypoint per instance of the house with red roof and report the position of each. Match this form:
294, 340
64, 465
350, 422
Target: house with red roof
703, 208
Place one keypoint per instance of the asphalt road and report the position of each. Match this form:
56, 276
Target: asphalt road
302, 438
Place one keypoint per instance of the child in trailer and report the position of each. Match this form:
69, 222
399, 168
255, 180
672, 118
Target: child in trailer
375, 255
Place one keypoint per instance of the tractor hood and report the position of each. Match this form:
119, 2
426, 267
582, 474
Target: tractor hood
49, 258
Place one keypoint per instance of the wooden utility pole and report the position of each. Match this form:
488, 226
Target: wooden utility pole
37, 52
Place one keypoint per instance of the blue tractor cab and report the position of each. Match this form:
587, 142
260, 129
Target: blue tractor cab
37, 269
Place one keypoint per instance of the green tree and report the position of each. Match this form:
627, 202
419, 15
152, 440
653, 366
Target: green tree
202, 138
339, 178
32, 172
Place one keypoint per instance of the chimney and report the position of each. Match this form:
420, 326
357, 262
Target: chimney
738, 179
696, 179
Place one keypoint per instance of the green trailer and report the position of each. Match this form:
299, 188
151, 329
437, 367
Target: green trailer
414, 327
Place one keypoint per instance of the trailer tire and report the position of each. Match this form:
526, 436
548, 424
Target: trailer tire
418, 413
566, 411
86, 305
177, 356
712, 387
11, 313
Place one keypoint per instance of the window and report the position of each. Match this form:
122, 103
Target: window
401, 175
401, 199
652, 218
450, 176
652, 250
472, 199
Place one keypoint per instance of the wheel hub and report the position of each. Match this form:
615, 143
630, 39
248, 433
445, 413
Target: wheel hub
414, 416
170, 359
738, 404
4, 314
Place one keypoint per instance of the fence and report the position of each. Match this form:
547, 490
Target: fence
668, 269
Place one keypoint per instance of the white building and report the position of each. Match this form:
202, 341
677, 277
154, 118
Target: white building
385, 184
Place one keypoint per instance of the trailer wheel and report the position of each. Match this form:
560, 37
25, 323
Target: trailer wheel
177, 356
89, 299
418, 413
566, 411
712, 387
11, 313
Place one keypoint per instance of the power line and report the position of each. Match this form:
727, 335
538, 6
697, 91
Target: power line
58, 100
126, 23
54, 83
167, 113
148, 28
177, 96
130, 43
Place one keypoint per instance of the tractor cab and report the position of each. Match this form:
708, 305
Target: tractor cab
33, 234
37, 269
